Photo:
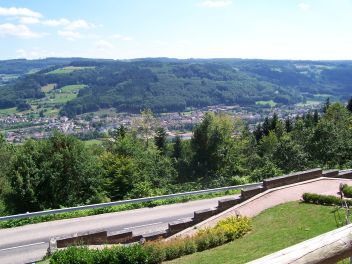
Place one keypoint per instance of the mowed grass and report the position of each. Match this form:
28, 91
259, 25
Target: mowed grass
274, 229
72, 88
47, 88
93, 142
8, 111
270, 103
69, 69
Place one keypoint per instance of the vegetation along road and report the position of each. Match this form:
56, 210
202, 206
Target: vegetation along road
30, 243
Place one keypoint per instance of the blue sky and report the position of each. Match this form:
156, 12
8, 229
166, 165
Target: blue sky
122, 29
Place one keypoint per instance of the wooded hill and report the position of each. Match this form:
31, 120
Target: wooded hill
173, 85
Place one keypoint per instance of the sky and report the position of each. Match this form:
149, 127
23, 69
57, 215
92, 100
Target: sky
125, 29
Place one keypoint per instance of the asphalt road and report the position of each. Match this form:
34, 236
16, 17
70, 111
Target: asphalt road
27, 244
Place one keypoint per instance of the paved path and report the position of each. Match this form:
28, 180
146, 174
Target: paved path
29, 243
273, 197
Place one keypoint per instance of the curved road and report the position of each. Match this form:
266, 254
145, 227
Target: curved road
29, 243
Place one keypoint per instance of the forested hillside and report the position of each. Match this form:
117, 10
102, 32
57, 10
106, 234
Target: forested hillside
62, 171
173, 85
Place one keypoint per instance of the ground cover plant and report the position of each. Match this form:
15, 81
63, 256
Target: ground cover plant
272, 230
153, 253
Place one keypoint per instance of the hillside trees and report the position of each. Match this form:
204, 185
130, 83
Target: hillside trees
51, 173
212, 144
331, 141
133, 168
6, 156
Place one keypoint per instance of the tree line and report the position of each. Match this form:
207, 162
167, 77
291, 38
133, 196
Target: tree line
62, 171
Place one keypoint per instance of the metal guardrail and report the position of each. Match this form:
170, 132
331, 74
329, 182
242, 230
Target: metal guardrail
139, 200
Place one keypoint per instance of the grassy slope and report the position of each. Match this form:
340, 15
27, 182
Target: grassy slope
274, 229
68, 69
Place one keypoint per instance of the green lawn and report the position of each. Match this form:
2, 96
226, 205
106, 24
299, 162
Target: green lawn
274, 229
270, 103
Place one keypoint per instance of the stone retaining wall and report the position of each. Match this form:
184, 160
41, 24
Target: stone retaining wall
292, 178
102, 237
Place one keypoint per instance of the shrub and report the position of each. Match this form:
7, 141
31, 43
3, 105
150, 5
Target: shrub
322, 199
347, 191
156, 252
234, 227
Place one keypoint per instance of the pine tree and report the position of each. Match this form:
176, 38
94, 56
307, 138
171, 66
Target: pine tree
177, 153
349, 105
316, 117
160, 139
274, 122
288, 125
266, 126
326, 105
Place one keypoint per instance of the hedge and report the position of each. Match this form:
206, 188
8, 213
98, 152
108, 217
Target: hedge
323, 199
347, 190
156, 252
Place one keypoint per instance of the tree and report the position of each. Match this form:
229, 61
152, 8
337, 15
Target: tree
288, 125
289, 155
177, 148
274, 122
266, 126
55, 172
316, 117
349, 105
160, 139
326, 105
6, 157
211, 142
146, 125
331, 141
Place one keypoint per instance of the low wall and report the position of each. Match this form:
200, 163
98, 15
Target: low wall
228, 203
331, 173
180, 225
119, 237
87, 238
345, 175
94, 238
201, 215
292, 178
249, 193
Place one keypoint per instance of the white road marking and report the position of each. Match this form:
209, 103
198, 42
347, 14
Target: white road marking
22, 246
126, 228
185, 218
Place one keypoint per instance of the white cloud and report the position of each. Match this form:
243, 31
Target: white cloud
21, 53
215, 3
69, 35
121, 37
56, 22
14, 11
79, 24
103, 45
69, 25
21, 31
304, 6
29, 20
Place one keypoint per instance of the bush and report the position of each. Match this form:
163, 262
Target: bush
323, 199
347, 190
159, 251
134, 254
